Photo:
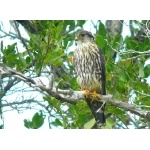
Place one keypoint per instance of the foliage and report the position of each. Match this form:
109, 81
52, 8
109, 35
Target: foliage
47, 52
37, 121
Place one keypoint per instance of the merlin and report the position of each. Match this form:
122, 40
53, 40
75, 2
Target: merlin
89, 65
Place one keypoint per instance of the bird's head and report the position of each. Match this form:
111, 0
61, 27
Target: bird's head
83, 37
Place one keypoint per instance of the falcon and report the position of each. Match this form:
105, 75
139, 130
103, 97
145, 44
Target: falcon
89, 65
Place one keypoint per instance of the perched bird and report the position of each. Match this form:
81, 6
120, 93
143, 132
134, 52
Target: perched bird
89, 65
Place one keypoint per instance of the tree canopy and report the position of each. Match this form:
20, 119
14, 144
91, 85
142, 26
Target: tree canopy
41, 75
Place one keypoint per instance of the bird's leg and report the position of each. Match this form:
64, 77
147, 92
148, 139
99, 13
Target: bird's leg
86, 93
94, 95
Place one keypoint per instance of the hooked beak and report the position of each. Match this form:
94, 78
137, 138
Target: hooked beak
76, 37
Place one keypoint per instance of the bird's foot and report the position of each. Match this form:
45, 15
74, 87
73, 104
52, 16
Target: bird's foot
86, 93
95, 95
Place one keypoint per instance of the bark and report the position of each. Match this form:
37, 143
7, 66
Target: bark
143, 32
114, 27
71, 96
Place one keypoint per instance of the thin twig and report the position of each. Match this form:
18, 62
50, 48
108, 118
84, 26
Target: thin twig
24, 102
23, 41
128, 51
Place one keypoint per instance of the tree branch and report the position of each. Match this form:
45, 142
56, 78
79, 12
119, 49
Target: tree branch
12, 35
28, 25
23, 41
114, 27
126, 52
71, 96
24, 102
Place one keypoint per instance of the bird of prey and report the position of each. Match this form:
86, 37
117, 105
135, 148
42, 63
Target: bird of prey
89, 65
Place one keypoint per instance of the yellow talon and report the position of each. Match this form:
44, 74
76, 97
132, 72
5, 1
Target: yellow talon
87, 93
95, 95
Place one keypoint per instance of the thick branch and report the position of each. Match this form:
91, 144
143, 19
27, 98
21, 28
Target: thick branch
72, 96
126, 106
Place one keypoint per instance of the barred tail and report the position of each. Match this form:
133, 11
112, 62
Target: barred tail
97, 109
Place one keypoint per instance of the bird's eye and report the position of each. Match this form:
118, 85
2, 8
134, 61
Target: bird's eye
82, 35
79, 37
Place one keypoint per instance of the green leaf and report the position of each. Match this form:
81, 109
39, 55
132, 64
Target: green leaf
1, 126
100, 41
80, 23
109, 124
82, 118
28, 60
70, 43
147, 71
141, 70
38, 67
89, 124
28, 124
34, 40
10, 49
38, 120
117, 42
58, 62
57, 122
102, 30
1, 47
118, 111
132, 44
71, 25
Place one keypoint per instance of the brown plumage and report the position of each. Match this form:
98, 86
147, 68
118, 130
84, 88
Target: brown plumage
90, 69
